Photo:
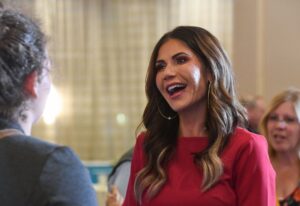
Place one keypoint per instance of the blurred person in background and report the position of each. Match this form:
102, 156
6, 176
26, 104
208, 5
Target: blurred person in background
119, 176
193, 151
33, 172
281, 127
255, 107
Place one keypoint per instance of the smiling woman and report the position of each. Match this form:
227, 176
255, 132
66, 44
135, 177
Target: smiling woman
102, 68
190, 157
181, 78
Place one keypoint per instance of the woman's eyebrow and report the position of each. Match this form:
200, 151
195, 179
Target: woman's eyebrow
159, 61
179, 54
173, 57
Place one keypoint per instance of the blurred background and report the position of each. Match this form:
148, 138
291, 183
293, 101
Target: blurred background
100, 51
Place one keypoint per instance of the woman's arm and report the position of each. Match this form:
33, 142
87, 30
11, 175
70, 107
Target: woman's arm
254, 175
137, 164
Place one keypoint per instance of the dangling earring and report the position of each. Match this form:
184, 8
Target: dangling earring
167, 117
208, 93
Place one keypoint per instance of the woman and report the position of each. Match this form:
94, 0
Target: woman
281, 126
32, 172
193, 152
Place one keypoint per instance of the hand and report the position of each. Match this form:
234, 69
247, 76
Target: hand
114, 198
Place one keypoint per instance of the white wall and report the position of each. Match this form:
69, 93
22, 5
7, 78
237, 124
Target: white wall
266, 45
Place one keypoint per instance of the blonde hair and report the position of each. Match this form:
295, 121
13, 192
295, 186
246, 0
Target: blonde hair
290, 95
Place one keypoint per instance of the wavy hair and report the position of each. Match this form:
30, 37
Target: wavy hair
224, 114
289, 95
22, 51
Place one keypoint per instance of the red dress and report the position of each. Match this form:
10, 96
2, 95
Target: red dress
248, 178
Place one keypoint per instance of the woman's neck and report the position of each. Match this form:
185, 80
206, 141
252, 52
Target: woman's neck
25, 122
285, 159
192, 124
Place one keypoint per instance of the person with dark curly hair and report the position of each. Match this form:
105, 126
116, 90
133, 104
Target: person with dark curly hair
33, 172
194, 150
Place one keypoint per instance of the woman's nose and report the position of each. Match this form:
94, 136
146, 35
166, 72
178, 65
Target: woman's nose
281, 124
169, 72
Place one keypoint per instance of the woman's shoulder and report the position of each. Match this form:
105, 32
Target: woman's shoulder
29, 144
242, 139
31, 148
141, 137
244, 136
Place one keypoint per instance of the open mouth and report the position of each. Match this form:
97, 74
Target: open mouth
278, 137
175, 88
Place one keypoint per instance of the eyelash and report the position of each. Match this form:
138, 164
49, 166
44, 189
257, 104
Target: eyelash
181, 60
178, 60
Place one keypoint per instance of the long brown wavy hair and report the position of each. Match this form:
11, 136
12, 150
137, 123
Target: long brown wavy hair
224, 114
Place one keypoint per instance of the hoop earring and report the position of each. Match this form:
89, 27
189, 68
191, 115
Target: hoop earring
165, 116
208, 93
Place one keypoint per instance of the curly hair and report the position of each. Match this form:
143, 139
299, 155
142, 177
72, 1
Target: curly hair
225, 113
22, 51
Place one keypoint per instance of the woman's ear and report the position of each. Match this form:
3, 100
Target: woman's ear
30, 84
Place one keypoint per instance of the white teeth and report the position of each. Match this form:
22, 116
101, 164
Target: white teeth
171, 88
174, 87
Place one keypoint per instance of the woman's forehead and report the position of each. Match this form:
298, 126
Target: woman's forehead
172, 47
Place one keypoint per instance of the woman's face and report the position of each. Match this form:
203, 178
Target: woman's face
43, 89
283, 128
180, 76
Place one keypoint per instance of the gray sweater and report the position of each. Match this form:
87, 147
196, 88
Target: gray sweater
37, 173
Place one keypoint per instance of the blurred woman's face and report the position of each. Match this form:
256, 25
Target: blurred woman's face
180, 77
43, 90
283, 128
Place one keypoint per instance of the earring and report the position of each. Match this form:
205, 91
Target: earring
167, 117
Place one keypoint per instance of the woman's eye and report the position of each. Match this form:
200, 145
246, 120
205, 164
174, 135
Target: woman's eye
181, 60
159, 66
290, 119
273, 118
286, 119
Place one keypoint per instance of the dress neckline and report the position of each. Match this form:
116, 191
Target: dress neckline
193, 138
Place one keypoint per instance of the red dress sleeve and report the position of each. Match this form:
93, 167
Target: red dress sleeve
254, 174
136, 165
